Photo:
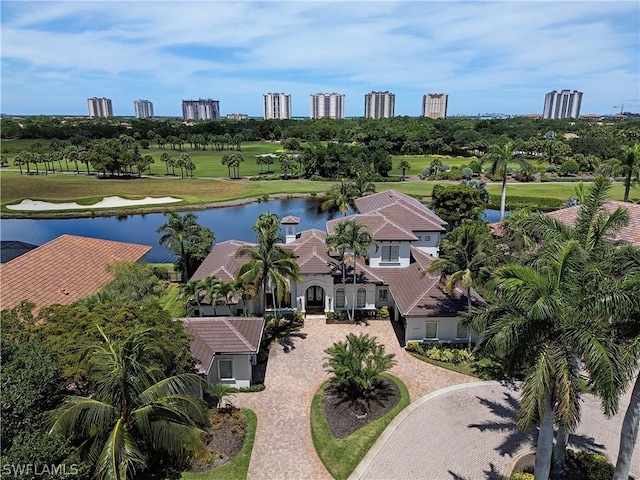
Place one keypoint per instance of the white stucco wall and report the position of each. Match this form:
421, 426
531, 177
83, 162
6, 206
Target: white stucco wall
370, 300
375, 255
446, 330
241, 370
299, 289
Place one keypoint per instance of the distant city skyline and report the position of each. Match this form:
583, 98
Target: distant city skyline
489, 57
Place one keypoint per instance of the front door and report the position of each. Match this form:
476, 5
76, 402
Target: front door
315, 298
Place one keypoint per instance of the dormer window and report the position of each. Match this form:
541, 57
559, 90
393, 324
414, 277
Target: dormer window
390, 253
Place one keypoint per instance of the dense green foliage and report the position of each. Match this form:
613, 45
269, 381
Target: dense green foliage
456, 203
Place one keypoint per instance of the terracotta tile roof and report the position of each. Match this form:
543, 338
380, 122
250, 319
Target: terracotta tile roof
222, 261
384, 199
219, 335
380, 227
416, 220
290, 220
63, 270
311, 249
415, 294
628, 234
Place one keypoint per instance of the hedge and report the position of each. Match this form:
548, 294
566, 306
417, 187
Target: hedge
545, 204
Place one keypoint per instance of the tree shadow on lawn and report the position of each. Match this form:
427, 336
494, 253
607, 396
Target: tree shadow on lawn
514, 438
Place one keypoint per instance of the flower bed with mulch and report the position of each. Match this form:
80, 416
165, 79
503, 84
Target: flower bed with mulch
225, 438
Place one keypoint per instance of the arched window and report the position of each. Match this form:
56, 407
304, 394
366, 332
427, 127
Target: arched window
361, 298
340, 298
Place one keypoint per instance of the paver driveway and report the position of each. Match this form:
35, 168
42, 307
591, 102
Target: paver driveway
470, 433
283, 447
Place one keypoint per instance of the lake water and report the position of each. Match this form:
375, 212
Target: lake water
227, 224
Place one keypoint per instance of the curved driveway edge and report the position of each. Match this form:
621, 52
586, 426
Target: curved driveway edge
401, 417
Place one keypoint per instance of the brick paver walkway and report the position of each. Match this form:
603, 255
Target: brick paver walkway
471, 433
283, 447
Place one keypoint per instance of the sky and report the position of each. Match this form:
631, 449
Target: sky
489, 57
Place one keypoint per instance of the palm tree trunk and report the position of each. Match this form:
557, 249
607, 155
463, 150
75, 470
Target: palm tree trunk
627, 186
354, 288
469, 328
503, 198
628, 434
544, 447
560, 454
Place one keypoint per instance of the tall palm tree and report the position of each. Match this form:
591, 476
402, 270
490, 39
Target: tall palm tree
537, 323
464, 257
136, 412
628, 167
341, 197
191, 292
269, 263
338, 242
354, 239
177, 232
500, 156
362, 186
165, 157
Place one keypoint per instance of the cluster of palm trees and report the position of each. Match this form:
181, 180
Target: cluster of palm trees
183, 162
564, 304
342, 196
232, 162
211, 289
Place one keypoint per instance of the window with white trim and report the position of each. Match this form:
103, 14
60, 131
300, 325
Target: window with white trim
340, 298
225, 369
390, 253
461, 331
431, 330
383, 295
361, 299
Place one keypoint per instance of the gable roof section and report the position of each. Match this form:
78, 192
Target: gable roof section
425, 295
388, 198
380, 227
311, 249
219, 335
628, 234
63, 270
222, 261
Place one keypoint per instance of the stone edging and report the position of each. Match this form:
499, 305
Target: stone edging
395, 423
509, 470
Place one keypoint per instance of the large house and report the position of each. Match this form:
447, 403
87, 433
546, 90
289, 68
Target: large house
406, 236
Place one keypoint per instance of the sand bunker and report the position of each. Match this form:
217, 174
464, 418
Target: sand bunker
106, 202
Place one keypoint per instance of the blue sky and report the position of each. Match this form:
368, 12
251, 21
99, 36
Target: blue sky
500, 56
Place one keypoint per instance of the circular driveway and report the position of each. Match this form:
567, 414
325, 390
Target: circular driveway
469, 432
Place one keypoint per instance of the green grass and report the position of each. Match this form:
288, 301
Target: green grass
238, 467
170, 304
341, 456
420, 162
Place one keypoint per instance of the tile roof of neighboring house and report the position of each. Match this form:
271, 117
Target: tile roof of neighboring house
63, 270
311, 249
222, 261
218, 335
426, 295
628, 234
387, 198
10, 249
380, 227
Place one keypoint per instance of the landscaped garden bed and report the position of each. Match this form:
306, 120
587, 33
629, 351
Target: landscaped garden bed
580, 465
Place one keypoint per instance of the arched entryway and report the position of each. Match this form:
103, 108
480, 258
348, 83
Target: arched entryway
314, 299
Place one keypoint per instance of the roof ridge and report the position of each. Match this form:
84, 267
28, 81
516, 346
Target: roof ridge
238, 334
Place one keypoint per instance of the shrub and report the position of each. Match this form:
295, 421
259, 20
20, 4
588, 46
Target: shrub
415, 347
522, 476
144, 144
383, 312
467, 173
475, 167
448, 355
593, 465
569, 167
426, 171
531, 203
488, 369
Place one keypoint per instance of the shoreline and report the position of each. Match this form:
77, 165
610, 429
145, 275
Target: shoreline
126, 211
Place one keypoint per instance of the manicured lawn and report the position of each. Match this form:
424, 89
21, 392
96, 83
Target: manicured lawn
420, 162
170, 304
342, 456
237, 468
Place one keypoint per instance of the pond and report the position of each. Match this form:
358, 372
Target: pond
227, 224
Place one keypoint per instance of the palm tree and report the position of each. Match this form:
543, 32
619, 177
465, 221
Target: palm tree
134, 409
191, 292
404, 166
362, 186
341, 197
628, 167
537, 323
464, 258
269, 263
500, 157
177, 232
338, 242
165, 157
357, 362
357, 242
228, 161
211, 287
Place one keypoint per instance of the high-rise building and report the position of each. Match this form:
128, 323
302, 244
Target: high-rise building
327, 105
379, 105
144, 108
564, 104
434, 105
202, 109
100, 107
277, 105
